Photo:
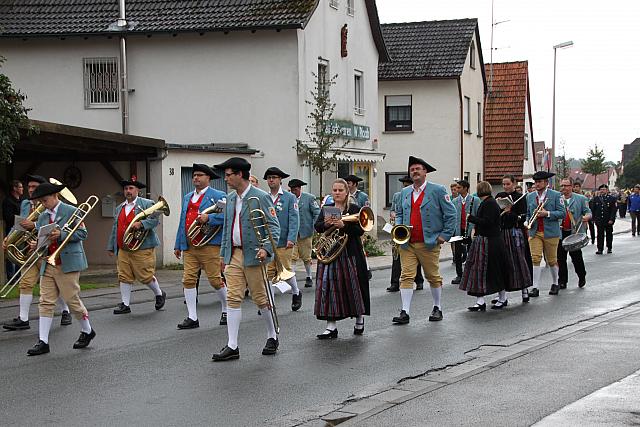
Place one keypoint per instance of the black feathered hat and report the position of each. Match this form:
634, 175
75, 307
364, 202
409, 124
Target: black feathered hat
419, 161
295, 182
46, 189
542, 175
199, 167
275, 171
235, 163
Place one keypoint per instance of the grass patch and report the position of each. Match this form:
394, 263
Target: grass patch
175, 266
15, 293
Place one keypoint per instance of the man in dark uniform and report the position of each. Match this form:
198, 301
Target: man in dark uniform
604, 215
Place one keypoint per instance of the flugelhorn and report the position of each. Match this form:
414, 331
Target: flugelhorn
133, 239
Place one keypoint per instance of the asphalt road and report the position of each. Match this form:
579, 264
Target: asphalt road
140, 370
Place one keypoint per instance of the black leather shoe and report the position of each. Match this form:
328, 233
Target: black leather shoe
226, 354
525, 298
296, 302
369, 275
357, 330
65, 318
331, 335
84, 339
598, 252
160, 300
419, 286
16, 324
582, 282
402, 319
554, 290
393, 288
456, 281
223, 318
436, 315
534, 293
478, 307
122, 309
308, 283
499, 305
562, 285
271, 346
41, 347
188, 323
609, 251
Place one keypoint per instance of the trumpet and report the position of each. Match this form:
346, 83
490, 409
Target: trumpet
332, 242
133, 239
200, 234
535, 214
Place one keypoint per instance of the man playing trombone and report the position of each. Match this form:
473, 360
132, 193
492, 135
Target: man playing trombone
138, 263
545, 211
61, 278
245, 255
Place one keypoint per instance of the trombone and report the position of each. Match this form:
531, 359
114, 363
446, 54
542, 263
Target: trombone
261, 227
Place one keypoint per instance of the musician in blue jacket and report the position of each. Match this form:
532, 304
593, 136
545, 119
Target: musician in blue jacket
61, 278
308, 209
286, 206
544, 229
196, 256
466, 204
139, 264
427, 208
361, 198
577, 216
245, 255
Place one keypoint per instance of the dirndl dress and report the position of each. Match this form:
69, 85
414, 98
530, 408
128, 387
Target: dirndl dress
518, 273
483, 273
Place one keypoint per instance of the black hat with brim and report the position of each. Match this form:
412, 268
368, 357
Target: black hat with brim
235, 163
46, 189
275, 171
295, 182
529, 184
603, 186
406, 179
419, 161
36, 178
542, 175
199, 167
352, 178
135, 183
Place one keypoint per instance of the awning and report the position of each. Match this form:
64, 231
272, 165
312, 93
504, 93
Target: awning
367, 156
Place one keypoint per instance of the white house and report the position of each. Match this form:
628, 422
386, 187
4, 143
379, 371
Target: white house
431, 101
225, 77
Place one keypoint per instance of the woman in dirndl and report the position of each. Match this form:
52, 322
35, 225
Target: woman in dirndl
342, 286
520, 268
484, 271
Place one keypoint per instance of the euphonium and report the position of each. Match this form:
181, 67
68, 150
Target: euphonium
200, 234
332, 242
133, 238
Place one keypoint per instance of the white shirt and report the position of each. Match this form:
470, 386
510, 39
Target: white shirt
416, 193
53, 212
274, 198
542, 196
129, 206
237, 240
196, 195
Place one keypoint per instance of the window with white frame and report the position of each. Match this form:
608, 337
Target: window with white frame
397, 113
392, 186
333, 3
350, 7
101, 89
472, 55
479, 119
323, 77
466, 119
358, 91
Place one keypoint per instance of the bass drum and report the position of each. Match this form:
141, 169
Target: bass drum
575, 242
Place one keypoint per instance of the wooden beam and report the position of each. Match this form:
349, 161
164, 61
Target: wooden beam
112, 171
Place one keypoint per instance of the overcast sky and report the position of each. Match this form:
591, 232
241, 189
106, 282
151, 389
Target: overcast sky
597, 81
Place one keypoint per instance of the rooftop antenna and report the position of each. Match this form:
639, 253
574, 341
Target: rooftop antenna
493, 24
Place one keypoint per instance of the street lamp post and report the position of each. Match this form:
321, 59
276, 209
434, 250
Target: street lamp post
553, 117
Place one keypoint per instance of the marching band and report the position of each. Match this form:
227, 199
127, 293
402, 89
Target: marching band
252, 239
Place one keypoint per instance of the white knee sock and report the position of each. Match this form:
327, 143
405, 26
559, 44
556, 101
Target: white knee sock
25, 303
63, 304
234, 316
125, 292
359, 322
190, 296
554, 274
406, 295
222, 296
502, 296
480, 300
268, 316
155, 287
85, 326
436, 293
307, 268
44, 328
537, 272
294, 285
331, 326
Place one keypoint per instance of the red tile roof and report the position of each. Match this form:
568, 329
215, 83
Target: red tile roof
590, 182
504, 120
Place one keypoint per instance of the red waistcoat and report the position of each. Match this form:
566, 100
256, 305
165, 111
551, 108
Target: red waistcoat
417, 235
54, 245
193, 210
123, 222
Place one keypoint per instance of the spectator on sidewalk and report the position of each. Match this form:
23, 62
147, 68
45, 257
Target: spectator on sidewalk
633, 204
604, 214
622, 203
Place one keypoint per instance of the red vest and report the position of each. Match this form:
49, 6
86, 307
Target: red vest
193, 210
53, 246
417, 235
540, 220
123, 223
566, 222
463, 217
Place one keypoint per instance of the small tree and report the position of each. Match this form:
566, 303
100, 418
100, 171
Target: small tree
321, 147
13, 117
631, 175
562, 165
594, 164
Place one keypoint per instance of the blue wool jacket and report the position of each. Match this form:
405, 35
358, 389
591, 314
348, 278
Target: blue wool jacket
308, 210
471, 202
209, 199
148, 224
288, 217
556, 212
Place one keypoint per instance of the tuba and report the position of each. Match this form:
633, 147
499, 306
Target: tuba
332, 242
132, 239
200, 234
17, 241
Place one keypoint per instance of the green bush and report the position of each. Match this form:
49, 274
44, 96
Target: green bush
371, 246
